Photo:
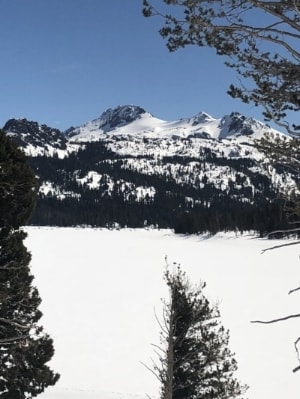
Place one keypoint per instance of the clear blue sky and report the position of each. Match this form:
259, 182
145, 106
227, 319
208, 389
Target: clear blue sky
64, 62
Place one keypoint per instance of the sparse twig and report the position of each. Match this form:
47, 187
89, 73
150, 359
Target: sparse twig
284, 231
152, 371
163, 328
296, 347
292, 316
294, 290
280, 246
298, 356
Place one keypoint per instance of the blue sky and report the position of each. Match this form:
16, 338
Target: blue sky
64, 62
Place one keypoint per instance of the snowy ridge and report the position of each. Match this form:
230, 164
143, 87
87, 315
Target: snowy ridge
134, 120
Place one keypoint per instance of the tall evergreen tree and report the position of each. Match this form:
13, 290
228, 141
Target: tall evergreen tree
194, 359
25, 348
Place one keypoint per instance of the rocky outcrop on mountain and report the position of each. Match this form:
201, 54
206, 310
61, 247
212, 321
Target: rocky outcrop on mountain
110, 120
29, 134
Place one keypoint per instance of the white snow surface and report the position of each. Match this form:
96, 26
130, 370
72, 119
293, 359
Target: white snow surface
149, 126
100, 287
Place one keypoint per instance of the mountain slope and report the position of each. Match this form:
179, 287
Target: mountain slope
129, 168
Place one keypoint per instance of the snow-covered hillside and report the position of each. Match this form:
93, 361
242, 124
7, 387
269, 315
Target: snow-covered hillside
130, 168
100, 287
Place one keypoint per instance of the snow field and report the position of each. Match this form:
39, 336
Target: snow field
100, 288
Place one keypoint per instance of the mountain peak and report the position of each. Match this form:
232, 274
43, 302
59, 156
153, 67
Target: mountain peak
120, 116
26, 132
109, 120
201, 117
236, 124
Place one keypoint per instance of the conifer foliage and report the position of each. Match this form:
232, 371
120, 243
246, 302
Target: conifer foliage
259, 39
194, 359
25, 348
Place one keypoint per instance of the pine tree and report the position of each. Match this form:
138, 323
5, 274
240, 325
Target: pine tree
259, 39
25, 348
194, 359
284, 153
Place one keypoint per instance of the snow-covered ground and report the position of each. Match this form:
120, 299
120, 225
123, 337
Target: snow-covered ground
100, 289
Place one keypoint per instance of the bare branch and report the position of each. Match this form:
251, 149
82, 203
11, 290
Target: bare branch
158, 347
296, 348
152, 371
163, 328
292, 316
230, 29
280, 246
271, 10
294, 290
284, 231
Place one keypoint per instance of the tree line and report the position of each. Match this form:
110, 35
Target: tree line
185, 200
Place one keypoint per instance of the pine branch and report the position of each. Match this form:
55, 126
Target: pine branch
13, 339
14, 323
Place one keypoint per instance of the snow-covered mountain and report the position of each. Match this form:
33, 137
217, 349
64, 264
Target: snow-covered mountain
128, 164
134, 120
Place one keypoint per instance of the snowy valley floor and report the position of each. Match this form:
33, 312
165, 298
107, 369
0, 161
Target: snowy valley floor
100, 288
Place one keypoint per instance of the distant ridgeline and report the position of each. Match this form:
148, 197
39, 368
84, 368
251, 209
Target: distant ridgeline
128, 168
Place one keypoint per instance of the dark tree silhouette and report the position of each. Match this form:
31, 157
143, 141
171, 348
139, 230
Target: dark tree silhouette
194, 359
25, 348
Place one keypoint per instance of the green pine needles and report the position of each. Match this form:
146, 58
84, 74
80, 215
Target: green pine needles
25, 347
259, 39
194, 361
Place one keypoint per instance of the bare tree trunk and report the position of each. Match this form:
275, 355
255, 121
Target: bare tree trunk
170, 355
